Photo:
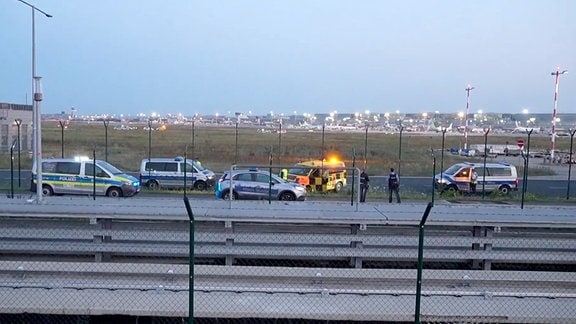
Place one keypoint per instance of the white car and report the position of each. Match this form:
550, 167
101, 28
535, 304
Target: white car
255, 184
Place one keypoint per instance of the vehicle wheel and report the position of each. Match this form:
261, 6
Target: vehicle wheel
505, 190
226, 196
451, 190
114, 192
287, 196
153, 185
338, 187
47, 190
200, 185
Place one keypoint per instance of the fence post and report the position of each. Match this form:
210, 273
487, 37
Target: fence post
190, 263
420, 262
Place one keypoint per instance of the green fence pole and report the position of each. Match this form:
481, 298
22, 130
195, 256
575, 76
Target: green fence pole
190, 263
420, 262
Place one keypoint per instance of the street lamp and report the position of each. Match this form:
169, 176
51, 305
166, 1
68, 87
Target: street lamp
193, 139
557, 74
149, 139
61, 123
526, 157
366, 147
18, 122
12, 168
486, 131
38, 137
280, 141
442, 153
37, 98
236, 153
468, 89
572, 132
106, 123
322, 149
400, 147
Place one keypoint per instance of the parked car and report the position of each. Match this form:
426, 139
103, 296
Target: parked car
158, 173
83, 176
496, 176
257, 184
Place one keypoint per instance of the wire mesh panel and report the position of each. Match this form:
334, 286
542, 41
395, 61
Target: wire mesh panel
134, 267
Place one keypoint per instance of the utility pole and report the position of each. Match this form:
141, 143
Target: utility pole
557, 74
468, 89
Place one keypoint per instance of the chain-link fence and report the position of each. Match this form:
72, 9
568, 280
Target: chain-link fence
267, 264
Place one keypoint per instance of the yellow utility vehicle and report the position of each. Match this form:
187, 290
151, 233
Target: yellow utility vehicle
319, 175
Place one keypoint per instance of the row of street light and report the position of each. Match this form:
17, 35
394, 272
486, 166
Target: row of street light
37, 91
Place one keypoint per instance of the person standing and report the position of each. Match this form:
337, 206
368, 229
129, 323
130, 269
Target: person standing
473, 181
364, 185
393, 185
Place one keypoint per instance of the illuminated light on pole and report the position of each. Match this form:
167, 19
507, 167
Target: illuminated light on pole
61, 123
557, 74
400, 147
106, 123
38, 135
468, 89
570, 161
366, 146
37, 97
18, 122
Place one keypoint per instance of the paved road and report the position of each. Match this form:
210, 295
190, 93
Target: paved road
555, 186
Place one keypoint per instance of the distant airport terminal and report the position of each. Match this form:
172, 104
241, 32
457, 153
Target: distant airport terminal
17, 118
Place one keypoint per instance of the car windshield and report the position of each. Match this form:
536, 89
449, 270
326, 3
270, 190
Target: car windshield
198, 166
453, 169
299, 171
109, 167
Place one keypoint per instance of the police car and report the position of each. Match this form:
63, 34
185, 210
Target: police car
499, 176
256, 184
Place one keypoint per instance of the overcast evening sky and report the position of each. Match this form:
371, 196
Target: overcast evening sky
282, 56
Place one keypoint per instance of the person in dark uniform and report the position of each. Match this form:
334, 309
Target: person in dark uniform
473, 181
364, 185
393, 185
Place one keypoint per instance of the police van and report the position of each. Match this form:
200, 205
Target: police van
158, 173
84, 176
498, 176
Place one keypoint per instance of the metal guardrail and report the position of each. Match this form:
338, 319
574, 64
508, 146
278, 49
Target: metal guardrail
310, 261
216, 286
228, 242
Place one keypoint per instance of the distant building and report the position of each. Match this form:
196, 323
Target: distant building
9, 115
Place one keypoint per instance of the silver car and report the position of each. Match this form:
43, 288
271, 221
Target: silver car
255, 184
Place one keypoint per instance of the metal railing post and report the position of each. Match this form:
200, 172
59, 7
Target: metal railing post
190, 262
420, 262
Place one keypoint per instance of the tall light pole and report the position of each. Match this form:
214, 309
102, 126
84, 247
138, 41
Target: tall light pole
38, 135
280, 141
149, 139
366, 147
62, 124
400, 148
557, 74
18, 122
468, 89
193, 140
106, 123
572, 132
37, 93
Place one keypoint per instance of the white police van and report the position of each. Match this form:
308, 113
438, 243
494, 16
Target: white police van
84, 176
158, 173
498, 176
